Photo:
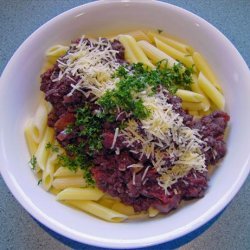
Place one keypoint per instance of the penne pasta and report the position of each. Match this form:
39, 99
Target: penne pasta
41, 153
54, 190
124, 209
80, 194
204, 113
203, 66
156, 55
48, 172
137, 51
211, 91
39, 122
176, 54
62, 183
99, 210
129, 54
195, 88
194, 113
140, 216
173, 43
139, 35
54, 52
65, 172
152, 212
32, 145
107, 202
192, 106
189, 96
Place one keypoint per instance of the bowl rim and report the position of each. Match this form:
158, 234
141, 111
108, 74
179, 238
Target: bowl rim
118, 243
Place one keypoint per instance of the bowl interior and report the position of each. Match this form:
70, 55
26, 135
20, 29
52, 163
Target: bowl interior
19, 98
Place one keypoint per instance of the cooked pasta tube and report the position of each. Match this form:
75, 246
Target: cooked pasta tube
189, 96
137, 51
47, 175
139, 216
204, 113
176, 54
54, 52
98, 210
213, 93
46, 66
64, 172
124, 209
62, 183
195, 87
154, 54
107, 202
194, 113
139, 35
203, 66
152, 212
193, 106
129, 54
41, 153
91, 194
39, 122
32, 145
173, 43
54, 190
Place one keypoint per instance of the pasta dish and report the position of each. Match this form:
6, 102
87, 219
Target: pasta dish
128, 126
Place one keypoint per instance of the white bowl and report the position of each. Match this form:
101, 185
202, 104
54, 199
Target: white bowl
19, 96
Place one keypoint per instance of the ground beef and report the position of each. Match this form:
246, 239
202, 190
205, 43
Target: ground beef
212, 128
111, 177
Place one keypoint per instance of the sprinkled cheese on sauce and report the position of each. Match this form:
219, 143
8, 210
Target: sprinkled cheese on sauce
92, 63
166, 134
115, 137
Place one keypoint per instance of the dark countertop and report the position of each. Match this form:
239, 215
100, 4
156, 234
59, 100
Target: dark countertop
230, 230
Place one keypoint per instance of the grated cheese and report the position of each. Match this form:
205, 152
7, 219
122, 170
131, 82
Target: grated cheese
92, 64
164, 135
115, 137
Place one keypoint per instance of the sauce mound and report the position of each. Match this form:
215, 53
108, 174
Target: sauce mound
156, 155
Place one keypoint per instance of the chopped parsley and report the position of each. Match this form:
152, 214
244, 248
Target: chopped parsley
69, 129
39, 182
160, 31
88, 127
132, 82
91, 128
33, 162
51, 147
75, 162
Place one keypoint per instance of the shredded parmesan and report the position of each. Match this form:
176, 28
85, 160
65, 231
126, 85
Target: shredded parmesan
145, 173
93, 63
165, 135
115, 137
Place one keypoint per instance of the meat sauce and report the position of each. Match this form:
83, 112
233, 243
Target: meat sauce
139, 189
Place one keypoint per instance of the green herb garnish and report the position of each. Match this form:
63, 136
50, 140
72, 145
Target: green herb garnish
69, 129
33, 162
139, 79
88, 127
160, 31
91, 127
77, 161
39, 182
51, 147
